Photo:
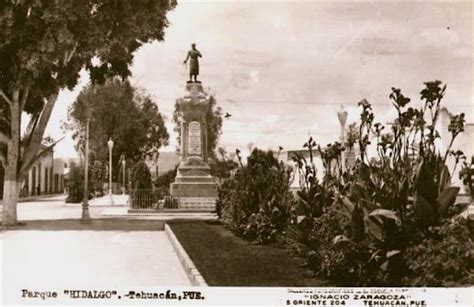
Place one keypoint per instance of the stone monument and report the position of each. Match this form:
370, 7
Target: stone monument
194, 187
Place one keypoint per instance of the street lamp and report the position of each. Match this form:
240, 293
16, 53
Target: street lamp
110, 143
342, 116
85, 202
123, 173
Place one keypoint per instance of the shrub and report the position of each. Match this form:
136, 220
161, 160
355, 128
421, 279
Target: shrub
142, 195
444, 257
256, 201
141, 176
221, 169
315, 198
224, 203
75, 184
163, 182
360, 226
98, 175
345, 264
466, 174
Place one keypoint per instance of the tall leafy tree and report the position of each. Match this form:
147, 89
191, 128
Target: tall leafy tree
141, 176
120, 112
222, 167
43, 46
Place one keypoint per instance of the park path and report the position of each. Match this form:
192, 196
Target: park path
51, 254
55, 207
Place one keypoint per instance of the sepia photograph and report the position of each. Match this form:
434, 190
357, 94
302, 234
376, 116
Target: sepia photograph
247, 153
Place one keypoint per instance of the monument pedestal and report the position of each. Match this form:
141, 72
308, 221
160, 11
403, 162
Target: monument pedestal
194, 187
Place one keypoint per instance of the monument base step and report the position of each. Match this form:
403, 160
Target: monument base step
194, 189
197, 203
194, 179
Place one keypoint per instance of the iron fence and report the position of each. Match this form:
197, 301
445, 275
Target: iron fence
151, 199
144, 199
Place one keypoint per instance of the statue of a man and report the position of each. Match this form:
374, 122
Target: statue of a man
194, 55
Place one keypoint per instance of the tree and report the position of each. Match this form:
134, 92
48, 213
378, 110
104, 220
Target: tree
214, 125
75, 184
256, 202
97, 175
43, 47
221, 168
141, 177
120, 112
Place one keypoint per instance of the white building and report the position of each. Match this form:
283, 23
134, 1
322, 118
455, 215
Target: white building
464, 142
46, 176
39, 179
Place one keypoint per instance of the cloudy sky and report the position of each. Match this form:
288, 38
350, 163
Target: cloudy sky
284, 69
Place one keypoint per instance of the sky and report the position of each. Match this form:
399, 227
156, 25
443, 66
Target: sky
284, 69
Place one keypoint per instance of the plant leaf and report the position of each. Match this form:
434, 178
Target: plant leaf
348, 204
445, 178
386, 213
447, 199
404, 188
347, 207
425, 184
364, 172
339, 238
374, 229
357, 223
344, 213
424, 211
356, 191
392, 253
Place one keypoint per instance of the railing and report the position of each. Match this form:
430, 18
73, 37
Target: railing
144, 199
169, 202
151, 199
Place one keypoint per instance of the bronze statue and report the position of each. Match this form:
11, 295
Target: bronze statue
194, 55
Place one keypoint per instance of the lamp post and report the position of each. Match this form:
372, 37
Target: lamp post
123, 173
110, 143
85, 202
342, 116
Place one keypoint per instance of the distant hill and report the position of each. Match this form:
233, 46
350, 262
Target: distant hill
167, 161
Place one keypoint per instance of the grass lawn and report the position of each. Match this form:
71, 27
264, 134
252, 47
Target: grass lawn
226, 260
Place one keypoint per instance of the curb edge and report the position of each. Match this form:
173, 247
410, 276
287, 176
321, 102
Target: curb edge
192, 272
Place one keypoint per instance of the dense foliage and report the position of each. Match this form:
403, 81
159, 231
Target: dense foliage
385, 220
223, 166
443, 256
141, 176
466, 174
120, 112
163, 182
43, 47
256, 202
97, 177
75, 184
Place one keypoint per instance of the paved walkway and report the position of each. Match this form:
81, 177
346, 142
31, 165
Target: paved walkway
55, 207
62, 259
55, 251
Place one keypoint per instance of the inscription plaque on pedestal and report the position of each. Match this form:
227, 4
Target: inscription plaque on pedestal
194, 187
194, 138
